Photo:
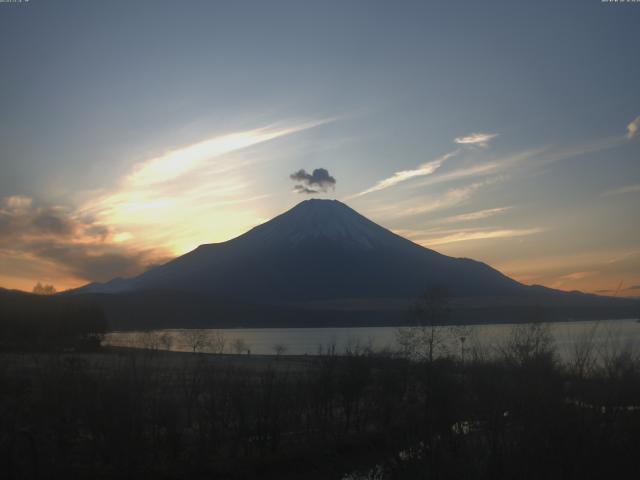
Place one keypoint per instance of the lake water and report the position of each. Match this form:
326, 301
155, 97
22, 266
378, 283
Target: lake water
607, 335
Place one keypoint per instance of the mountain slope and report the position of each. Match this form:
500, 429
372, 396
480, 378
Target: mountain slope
320, 249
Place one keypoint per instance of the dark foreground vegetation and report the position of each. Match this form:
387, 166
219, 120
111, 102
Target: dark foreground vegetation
513, 412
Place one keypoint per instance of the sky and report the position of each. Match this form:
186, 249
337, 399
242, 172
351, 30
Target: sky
133, 131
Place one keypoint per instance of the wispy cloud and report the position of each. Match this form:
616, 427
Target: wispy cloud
597, 271
483, 169
17, 202
429, 168
568, 281
529, 159
417, 206
633, 127
622, 190
449, 199
403, 175
478, 215
464, 236
523, 161
576, 275
178, 162
476, 139
553, 155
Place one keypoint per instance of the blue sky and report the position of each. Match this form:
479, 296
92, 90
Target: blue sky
133, 131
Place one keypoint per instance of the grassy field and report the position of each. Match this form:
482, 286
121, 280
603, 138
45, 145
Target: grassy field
132, 413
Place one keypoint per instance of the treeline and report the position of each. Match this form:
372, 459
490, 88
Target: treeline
146, 310
513, 412
42, 323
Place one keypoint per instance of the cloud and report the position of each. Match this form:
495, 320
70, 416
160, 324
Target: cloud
476, 139
181, 161
33, 221
403, 175
416, 206
479, 215
482, 169
17, 202
611, 266
568, 281
576, 275
72, 246
473, 140
479, 235
317, 181
633, 127
52, 221
449, 199
98, 263
622, 190
534, 158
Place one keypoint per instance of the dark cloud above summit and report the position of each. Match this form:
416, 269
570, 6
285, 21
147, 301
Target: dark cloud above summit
318, 181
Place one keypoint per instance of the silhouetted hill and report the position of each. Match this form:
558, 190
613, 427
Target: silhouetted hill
47, 322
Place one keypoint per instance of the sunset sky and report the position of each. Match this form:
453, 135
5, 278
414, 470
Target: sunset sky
508, 132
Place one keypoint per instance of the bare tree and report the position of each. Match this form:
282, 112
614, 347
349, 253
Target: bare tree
427, 338
528, 342
166, 341
279, 349
616, 353
239, 346
148, 340
218, 342
41, 289
462, 334
407, 340
582, 353
356, 346
196, 339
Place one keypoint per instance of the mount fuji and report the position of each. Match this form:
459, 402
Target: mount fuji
319, 260
318, 250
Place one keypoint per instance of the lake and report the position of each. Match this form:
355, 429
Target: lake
607, 335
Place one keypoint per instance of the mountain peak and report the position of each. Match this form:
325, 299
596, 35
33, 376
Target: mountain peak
320, 204
323, 219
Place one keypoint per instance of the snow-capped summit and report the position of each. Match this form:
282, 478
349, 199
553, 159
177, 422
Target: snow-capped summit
318, 219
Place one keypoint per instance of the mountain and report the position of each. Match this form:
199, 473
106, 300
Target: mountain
318, 250
322, 263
